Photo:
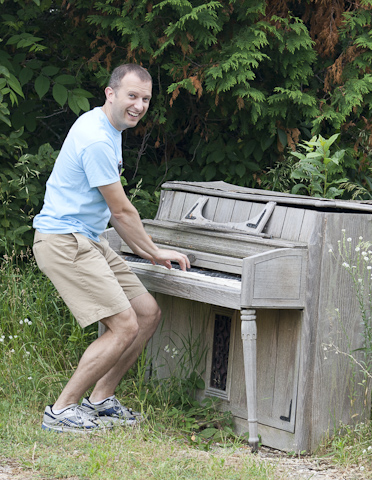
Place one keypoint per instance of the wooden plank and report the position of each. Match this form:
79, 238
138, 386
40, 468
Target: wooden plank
292, 225
274, 226
241, 211
165, 204
224, 210
176, 209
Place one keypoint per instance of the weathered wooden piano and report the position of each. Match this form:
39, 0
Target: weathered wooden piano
267, 298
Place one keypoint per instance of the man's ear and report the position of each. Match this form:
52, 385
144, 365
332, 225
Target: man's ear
109, 92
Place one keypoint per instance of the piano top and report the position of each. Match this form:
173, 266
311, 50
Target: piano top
226, 190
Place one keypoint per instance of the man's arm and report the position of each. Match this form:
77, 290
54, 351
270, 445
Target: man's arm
127, 222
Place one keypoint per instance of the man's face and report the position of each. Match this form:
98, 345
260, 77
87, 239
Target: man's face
127, 104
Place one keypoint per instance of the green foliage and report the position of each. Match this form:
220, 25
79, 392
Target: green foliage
320, 172
235, 83
20, 192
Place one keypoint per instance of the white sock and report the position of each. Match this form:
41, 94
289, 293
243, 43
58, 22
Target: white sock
101, 401
57, 412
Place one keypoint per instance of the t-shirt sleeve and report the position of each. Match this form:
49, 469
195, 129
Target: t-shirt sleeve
100, 164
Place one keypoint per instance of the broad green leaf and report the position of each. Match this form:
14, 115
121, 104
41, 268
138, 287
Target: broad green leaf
42, 85
60, 94
208, 432
73, 104
240, 170
50, 70
4, 71
15, 85
65, 79
25, 75
83, 103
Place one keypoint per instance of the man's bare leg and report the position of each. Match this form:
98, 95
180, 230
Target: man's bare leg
100, 356
148, 318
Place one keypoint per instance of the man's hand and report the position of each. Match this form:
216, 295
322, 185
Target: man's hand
165, 257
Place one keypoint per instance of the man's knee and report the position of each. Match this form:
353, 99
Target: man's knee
123, 326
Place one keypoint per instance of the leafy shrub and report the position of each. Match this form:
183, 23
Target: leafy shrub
21, 194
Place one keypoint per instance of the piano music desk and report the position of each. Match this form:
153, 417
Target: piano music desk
267, 321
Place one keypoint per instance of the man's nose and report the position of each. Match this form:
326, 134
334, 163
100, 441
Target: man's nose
139, 103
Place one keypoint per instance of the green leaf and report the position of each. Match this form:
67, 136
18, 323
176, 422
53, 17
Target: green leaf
50, 70
60, 94
42, 85
65, 79
15, 85
83, 103
240, 170
73, 104
208, 432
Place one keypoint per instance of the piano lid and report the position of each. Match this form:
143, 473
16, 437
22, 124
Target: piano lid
227, 190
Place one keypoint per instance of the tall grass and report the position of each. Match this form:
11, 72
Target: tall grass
40, 346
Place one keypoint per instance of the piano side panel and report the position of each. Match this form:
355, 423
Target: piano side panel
340, 395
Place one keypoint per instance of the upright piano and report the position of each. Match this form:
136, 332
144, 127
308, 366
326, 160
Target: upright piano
268, 299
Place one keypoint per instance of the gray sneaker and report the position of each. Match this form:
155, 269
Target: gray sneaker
111, 411
73, 419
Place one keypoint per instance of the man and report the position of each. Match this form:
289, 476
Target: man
83, 193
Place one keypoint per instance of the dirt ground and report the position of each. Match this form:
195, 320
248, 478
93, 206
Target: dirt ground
293, 468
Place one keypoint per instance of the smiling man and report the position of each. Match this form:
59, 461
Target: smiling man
83, 194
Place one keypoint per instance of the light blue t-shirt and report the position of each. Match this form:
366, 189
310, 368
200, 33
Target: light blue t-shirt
90, 157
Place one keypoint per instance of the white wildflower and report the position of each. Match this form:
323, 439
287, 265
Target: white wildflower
364, 451
337, 309
369, 448
349, 239
29, 378
357, 249
166, 348
12, 350
360, 280
361, 469
21, 322
10, 337
346, 265
343, 230
360, 238
330, 250
369, 267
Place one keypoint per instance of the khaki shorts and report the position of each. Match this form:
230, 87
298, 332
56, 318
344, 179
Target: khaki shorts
90, 277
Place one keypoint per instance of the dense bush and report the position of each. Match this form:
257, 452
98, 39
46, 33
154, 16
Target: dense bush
236, 84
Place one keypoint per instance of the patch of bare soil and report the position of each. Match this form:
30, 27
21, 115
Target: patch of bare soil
308, 467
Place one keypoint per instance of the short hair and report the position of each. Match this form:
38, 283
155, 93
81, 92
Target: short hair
119, 73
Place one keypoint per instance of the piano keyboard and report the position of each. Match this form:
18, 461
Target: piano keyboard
215, 277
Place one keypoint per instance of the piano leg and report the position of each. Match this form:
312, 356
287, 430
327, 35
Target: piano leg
249, 335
